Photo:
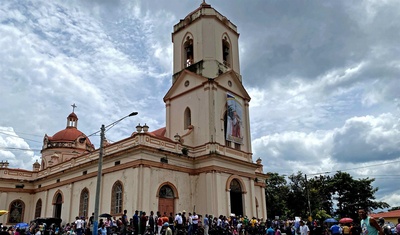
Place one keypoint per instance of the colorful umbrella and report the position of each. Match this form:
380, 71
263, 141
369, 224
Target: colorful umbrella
22, 225
345, 220
3, 212
330, 220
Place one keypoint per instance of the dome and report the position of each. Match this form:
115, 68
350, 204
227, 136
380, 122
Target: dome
65, 144
70, 137
69, 134
73, 115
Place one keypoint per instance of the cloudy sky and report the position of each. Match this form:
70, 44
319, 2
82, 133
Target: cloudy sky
323, 77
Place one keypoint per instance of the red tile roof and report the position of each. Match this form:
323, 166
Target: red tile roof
159, 132
389, 214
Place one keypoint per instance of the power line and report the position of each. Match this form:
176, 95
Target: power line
380, 175
380, 164
356, 168
23, 133
12, 148
4, 133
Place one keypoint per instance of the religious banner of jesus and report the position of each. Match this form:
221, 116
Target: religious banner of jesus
234, 126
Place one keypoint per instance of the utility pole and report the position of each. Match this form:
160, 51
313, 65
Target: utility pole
308, 197
98, 185
100, 167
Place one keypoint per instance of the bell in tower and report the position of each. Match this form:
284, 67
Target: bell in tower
207, 42
189, 51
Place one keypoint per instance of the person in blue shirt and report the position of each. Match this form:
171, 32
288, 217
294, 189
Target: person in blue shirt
336, 229
270, 231
103, 229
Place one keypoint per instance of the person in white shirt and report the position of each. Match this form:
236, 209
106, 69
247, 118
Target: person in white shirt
304, 230
179, 221
79, 226
195, 220
219, 221
190, 224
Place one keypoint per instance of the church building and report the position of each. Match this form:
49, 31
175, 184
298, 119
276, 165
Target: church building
200, 161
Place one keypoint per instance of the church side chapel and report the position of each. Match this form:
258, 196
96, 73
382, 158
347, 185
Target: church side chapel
200, 161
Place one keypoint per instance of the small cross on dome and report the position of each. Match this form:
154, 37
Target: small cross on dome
73, 107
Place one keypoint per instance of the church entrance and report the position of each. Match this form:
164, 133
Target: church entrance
57, 206
236, 197
166, 200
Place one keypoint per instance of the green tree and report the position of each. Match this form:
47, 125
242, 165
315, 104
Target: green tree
354, 194
343, 189
289, 198
321, 194
394, 208
321, 215
297, 197
276, 195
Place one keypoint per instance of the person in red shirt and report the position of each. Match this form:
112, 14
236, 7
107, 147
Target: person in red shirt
159, 222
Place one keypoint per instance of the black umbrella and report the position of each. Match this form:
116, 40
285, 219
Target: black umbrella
105, 215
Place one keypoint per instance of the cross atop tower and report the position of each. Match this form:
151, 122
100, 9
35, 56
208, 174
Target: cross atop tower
73, 107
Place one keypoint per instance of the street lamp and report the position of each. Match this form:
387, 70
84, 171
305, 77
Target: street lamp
98, 185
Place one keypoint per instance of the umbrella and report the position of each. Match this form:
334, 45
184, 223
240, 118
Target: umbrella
105, 215
345, 220
330, 220
3, 212
22, 225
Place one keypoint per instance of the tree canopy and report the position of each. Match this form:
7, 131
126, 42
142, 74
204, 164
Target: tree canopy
328, 196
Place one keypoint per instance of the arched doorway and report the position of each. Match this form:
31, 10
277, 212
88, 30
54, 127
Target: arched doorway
57, 205
166, 199
236, 197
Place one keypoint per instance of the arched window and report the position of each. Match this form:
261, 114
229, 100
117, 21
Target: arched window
226, 51
166, 192
188, 51
117, 198
84, 203
57, 202
38, 208
235, 186
187, 118
17, 209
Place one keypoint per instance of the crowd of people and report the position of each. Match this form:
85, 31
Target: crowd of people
183, 223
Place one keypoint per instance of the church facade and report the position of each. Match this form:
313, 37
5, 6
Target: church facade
200, 161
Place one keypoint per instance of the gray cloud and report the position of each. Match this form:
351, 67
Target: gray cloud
368, 139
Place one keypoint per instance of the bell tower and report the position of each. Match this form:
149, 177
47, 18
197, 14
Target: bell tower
206, 37
207, 104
